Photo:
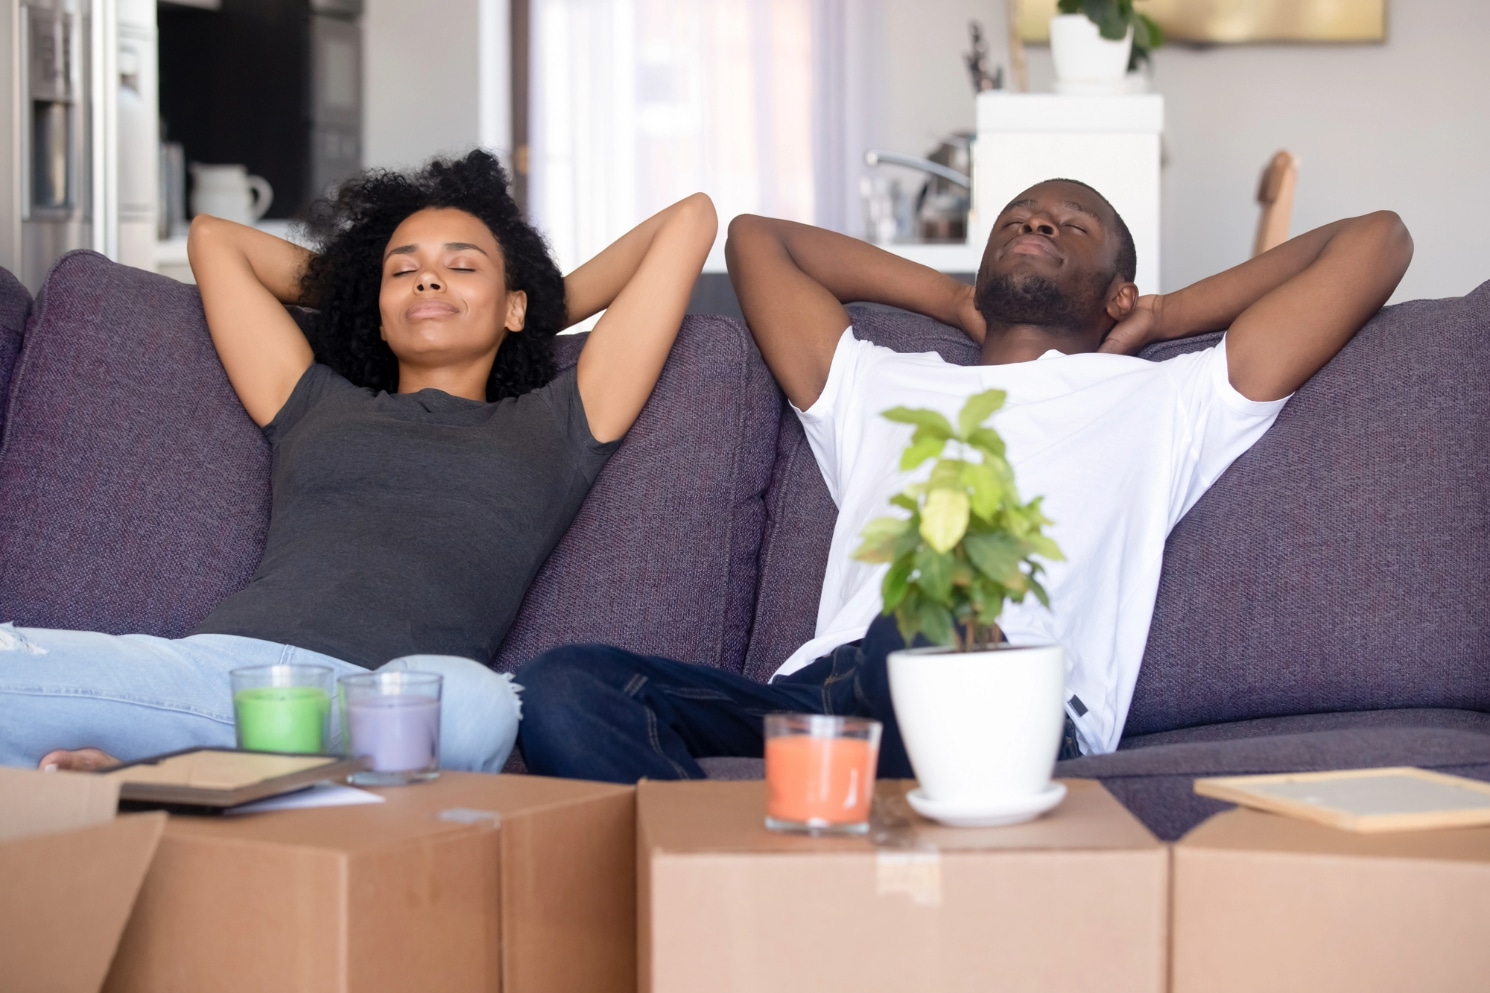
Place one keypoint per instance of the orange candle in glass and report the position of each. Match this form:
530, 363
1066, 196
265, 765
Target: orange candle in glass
820, 772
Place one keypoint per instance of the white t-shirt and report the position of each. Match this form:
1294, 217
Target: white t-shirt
1119, 447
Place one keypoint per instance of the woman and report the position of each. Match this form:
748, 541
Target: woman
426, 458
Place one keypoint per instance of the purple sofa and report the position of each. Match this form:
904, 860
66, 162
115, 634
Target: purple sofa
1323, 606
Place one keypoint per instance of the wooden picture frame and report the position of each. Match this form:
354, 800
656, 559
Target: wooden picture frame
1230, 22
1361, 800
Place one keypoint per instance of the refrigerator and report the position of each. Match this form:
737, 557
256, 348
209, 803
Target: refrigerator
78, 110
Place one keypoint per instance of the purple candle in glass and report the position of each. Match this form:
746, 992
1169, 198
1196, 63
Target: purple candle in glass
392, 719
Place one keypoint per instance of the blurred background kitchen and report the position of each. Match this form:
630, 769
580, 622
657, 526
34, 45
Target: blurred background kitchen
124, 116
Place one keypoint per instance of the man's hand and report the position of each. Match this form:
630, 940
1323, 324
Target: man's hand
1138, 330
969, 318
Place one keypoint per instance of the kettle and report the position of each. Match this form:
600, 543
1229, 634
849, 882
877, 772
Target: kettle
229, 192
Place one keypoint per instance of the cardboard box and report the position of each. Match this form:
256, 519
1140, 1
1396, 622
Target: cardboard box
1266, 902
69, 874
1076, 900
471, 882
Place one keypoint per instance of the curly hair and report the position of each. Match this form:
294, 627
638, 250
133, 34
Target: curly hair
343, 279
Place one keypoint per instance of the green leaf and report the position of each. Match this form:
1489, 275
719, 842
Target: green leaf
1069, 6
935, 569
925, 444
929, 420
897, 582
987, 441
996, 556
904, 502
947, 475
985, 489
879, 539
944, 519
979, 407
935, 622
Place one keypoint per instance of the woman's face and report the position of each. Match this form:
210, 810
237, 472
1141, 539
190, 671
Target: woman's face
444, 298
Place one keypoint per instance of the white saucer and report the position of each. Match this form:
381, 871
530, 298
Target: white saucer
1013, 810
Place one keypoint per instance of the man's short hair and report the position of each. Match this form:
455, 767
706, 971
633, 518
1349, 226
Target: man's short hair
1127, 256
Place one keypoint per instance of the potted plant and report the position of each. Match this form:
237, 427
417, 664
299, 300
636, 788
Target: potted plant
982, 721
1096, 43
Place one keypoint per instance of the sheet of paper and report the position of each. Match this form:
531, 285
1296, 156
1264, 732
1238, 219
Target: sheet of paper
319, 795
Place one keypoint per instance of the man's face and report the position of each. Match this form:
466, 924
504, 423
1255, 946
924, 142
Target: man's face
1050, 261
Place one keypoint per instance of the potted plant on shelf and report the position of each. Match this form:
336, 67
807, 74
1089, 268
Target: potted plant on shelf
982, 721
1096, 43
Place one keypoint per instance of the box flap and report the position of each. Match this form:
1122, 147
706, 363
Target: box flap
66, 898
34, 802
708, 816
1252, 830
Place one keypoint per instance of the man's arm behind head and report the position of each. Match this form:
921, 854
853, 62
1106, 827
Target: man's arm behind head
1291, 309
792, 281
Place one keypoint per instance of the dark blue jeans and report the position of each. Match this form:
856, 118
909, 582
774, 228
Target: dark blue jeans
603, 713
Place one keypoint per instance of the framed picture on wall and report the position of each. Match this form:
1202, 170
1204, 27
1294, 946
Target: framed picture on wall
1215, 22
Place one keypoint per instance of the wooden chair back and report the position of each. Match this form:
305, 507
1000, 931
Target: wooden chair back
1275, 195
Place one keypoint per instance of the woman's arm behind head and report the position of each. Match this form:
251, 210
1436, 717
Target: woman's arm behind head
245, 278
642, 282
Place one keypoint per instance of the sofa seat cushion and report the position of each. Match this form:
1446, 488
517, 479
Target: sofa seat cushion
1157, 783
1156, 780
135, 487
15, 307
661, 559
1339, 565
801, 514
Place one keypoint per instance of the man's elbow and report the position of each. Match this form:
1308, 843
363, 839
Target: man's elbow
1392, 238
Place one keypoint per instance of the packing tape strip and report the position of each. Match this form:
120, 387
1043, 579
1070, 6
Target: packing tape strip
464, 815
914, 873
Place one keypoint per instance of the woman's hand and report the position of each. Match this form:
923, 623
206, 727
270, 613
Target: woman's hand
1138, 330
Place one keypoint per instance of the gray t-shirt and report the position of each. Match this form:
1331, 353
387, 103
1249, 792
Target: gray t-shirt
410, 523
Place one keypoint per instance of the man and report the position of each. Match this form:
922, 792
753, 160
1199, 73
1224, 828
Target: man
1120, 448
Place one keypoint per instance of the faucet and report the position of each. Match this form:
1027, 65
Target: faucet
875, 157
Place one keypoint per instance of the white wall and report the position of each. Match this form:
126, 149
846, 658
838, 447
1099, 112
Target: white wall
1403, 126
436, 79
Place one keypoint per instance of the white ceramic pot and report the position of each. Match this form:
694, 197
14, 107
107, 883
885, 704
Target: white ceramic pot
980, 727
1086, 62
229, 192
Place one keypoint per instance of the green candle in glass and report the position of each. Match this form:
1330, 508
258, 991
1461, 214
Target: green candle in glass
282, 708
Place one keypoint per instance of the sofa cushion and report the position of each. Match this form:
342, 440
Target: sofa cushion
1339, 565
1158, 783
662, 556
801, 514
136, 489
15, 307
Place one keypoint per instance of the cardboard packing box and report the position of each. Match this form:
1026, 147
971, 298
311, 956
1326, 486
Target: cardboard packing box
1267, 902
1076, 900
69, 874
515, 884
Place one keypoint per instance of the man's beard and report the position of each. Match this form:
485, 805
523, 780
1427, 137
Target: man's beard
1037, 300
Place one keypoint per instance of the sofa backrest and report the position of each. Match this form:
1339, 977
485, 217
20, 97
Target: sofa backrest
134, 490
1341, 563
1337, 565
15, 307
661, 559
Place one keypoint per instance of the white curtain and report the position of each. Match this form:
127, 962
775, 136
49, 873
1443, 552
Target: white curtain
637, 103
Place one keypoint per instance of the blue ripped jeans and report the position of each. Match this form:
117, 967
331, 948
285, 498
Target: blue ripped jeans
136, 695
598, 712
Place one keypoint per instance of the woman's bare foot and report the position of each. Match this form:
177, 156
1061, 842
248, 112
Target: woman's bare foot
81, 760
